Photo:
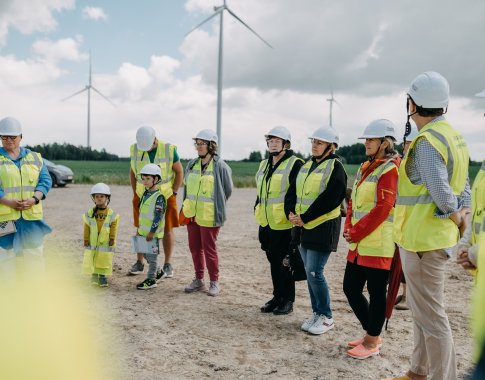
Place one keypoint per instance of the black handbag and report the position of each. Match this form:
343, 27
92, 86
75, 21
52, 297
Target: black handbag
297, 268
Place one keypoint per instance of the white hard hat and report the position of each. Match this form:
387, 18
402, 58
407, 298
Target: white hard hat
281, 132
10, 127
430, 90
327, 134
145, 137
378, 129
100, 188
151, 169
207, 135
412, 135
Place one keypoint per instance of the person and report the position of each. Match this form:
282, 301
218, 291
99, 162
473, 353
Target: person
433, 199
313, 203
208, 186
272, 182
149, 149
24, 184
100, 230
368, 230
151, 222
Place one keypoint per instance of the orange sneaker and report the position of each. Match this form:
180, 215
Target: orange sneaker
356, 342
360, 352
403, 377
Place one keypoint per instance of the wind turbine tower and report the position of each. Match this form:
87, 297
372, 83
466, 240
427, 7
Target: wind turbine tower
331, 100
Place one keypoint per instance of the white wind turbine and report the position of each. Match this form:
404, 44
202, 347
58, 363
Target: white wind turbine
88, 88
220, 11
331, 100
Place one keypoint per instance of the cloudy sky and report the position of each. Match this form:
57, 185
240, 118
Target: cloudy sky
366, 51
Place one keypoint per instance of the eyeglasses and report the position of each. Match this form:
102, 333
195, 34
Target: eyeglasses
5, 138
196, 144
318, 142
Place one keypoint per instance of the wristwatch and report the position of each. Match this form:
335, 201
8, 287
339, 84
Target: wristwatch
37, 200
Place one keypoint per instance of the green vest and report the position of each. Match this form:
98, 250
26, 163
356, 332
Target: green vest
20, 184
364, 198
309, 186
147, 213
416, 229
478, 204
271, 194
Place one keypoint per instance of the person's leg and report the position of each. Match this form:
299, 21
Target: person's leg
171, 221
353, 286
377, 286
314, 266
137, 268
195, 246
152, 260
305, 257
208, 237
168, 241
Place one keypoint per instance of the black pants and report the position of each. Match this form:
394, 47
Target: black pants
371, 314
275, 243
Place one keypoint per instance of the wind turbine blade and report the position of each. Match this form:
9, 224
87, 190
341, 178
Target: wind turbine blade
206, 20
105, 97
247, 26
76, 93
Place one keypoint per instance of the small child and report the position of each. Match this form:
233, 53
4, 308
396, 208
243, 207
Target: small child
151, 222
100, 229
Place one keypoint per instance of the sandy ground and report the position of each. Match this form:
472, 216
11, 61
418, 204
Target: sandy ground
164, 333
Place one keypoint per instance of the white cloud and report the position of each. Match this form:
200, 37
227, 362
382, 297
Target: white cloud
94, 13
24, 73
66, 48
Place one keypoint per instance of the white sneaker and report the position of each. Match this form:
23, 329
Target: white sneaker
309, 322
213, 289
321, 325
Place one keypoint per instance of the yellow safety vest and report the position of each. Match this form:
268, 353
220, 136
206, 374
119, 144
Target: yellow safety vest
478, 299
416, 229
20, 184
147, 213
364, 198
478, 204
271, 206
98, 257
164, 158
309, 186
199, 195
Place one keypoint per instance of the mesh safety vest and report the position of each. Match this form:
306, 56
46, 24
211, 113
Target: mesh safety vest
147, 213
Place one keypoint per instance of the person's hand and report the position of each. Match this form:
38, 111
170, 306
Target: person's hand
111, 242
16, 204
347, 237
28, 203
150, 236
458, 218
86, 243
463, 259
296, 220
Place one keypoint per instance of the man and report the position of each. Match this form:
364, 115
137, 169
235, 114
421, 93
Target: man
148, 149
433, 198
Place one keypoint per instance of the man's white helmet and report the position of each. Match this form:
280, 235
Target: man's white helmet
378, 129
412, 135
151, 169
10, 127
100, 188
145, 136
327, 134
430, 90
207, 135
281, 132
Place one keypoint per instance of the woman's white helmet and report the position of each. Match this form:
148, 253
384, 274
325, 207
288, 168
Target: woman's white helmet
430, 90
379, 128
10, 127
145, 136
327, 134
279, 131
100, 188
207, 135
151, 169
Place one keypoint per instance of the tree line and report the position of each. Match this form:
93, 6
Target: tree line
66, 151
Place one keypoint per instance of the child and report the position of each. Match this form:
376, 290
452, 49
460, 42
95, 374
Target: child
151, 222
100, 229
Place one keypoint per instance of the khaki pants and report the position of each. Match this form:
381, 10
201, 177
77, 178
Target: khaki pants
434, 351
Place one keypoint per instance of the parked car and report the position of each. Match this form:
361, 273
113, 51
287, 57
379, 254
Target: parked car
61, 175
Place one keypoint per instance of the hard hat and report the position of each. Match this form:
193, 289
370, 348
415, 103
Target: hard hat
145, 137
327, 134
430, 90
207, 135
281, 132
378, 129
412, 135
151, 169
10, 127
100, 188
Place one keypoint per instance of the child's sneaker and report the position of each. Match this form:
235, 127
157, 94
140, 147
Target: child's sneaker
147, 284
160, 275
103, 281
167, 268
196, 285
214, 289
137, 268
94, 279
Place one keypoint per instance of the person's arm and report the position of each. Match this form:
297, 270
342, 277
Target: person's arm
158, 216
226, 178
178, 171
290, 199
44, 184
86, 235
132, 181
348, 217
113, 231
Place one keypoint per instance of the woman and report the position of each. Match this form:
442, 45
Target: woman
208, 185
272, 181
24, 183
368, 229
313, 203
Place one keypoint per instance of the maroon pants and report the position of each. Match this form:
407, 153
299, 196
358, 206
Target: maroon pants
202, 245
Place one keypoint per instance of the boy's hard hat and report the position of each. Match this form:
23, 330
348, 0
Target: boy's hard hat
327, 134
145, 136
207, 135
281, 132
378, 129
151, 169
10, 127
100, 188
430, 90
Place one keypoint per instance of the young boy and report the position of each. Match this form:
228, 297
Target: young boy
151, 222
100, 229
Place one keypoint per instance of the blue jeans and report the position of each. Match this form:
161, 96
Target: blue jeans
317, 285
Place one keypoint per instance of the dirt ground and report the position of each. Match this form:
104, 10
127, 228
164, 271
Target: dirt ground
164, 333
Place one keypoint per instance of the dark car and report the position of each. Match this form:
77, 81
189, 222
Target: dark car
61, 175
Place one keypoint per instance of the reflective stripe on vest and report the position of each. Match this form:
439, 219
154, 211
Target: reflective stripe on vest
478, 204
147, 213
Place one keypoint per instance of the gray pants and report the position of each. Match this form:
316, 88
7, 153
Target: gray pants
152, 260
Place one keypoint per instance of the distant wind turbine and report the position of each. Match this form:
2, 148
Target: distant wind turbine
220, 11
331, 101
88, 88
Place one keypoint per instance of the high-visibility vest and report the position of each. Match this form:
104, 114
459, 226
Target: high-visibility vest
364, 198
310, 185
478, 204
416, 229
147, 213
164, 158
98, 257
271, 194
20, 184
199, 194
478, 299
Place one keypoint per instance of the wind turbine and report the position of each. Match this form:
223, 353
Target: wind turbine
331, 101
88, 88
220, 11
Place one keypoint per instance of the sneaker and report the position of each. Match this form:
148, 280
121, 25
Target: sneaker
103, 281
360, 352
321, 325
167, 268
147, 284
309, 322
160, 275
356, 342
94, 279
213, 289
137, 268
196, 285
